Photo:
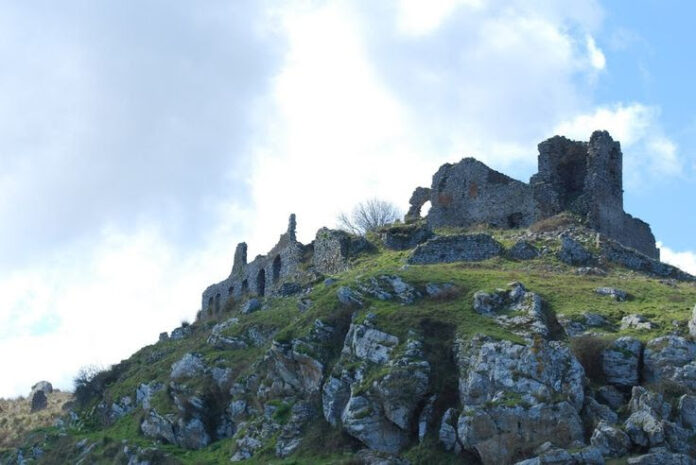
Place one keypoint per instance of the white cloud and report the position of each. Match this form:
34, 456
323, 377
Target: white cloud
597, 58
365, 106
686, 260
647, 150
98, 302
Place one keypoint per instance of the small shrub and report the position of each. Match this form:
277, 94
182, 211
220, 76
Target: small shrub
588, 350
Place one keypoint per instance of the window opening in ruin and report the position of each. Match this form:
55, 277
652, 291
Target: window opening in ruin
425, 208
572, 174
276, 269
230, 291
261, 283
245, 286
217, 303
210, 303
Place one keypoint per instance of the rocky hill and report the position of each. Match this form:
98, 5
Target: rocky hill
537, 345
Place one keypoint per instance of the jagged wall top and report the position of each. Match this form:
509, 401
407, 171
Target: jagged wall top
581, 177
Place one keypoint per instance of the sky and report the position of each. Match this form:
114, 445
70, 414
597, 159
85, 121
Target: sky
140, 141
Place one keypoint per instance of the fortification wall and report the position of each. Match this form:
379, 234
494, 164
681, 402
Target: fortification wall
469, 192
581, 177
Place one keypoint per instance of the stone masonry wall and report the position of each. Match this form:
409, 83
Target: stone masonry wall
581, 177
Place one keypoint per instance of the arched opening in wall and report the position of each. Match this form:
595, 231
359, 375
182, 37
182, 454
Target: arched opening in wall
210, 303
425, 208
230, 292
261, 283
276, 269
217, 303
245, 287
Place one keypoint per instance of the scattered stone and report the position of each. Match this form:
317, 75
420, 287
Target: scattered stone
349, 297
440, 291
447, 249
388, 287
487, 304
574, 253
616, 294
251, 306
635, 321
590, 271
304, 304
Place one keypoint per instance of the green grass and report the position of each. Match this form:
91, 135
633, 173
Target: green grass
438, 322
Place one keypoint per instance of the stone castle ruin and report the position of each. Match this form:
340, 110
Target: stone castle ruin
584, 178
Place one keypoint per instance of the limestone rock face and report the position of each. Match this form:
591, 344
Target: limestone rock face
44, 386
611, 441
157, 427
465, 247
188, 366
672, 359
516, 309
692, 323
370, 344
515, 397
574, 253
389, 287
620, 362
635, 321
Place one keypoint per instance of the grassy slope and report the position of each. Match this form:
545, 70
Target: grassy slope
439, 321
16, 418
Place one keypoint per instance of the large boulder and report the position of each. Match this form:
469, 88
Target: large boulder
621, 361
38, 401
574, 253
516, 397
458, 248
523, 250
611, 441
44, 386
189, 366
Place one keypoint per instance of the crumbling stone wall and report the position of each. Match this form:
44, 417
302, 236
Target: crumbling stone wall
266, 274
581, 177
469, 192
262, 275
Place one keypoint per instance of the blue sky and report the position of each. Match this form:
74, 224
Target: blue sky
141, 140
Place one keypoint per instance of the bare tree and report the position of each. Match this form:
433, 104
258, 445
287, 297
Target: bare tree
368, 216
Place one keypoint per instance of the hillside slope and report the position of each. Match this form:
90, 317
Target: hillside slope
551, 351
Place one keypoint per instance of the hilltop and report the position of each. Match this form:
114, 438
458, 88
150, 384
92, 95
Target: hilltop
549, 340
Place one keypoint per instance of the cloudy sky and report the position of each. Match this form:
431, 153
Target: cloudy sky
141, 140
